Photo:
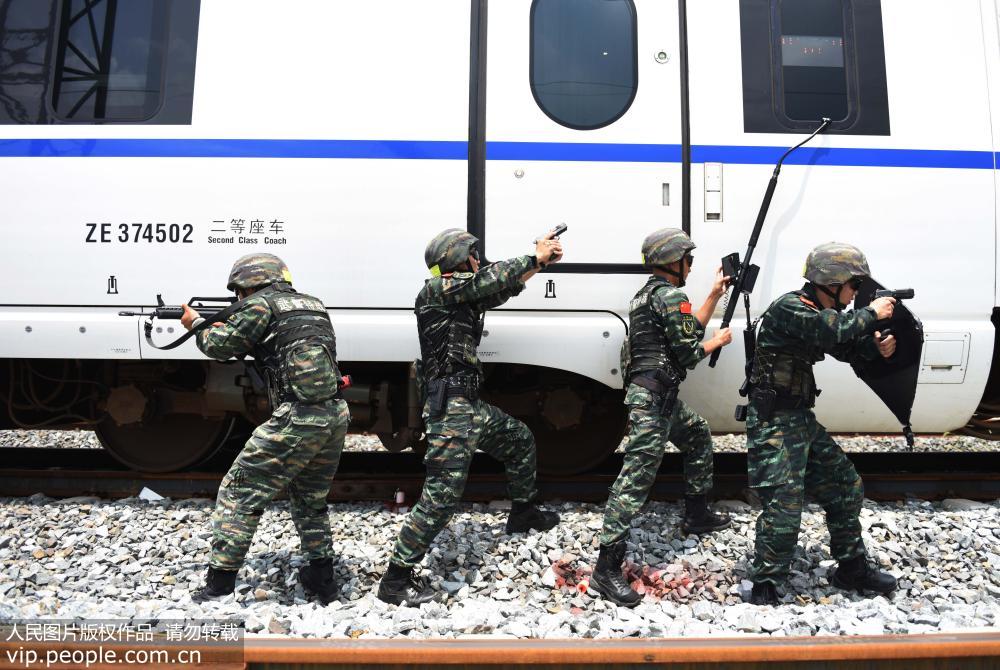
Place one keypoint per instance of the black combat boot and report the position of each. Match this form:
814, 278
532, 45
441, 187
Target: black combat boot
399, 585
526, 515
698, 518
218, 583
608, 579
317, 580
764, 593
857, 574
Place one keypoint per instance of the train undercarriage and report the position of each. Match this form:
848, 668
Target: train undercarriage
167, 416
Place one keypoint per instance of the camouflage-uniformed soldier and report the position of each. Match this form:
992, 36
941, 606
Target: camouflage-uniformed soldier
292, 341
665, 340
790, 453
450, 309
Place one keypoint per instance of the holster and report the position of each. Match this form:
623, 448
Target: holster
664, 385
764, 400
437, 397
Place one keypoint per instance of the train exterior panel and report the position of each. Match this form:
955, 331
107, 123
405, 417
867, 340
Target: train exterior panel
343, 136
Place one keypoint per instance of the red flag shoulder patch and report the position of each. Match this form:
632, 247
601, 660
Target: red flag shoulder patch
685, 308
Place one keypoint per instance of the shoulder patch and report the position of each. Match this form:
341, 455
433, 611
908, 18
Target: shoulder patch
807, 302
685, 307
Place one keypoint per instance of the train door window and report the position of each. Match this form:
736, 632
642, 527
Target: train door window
109, 60
805, 60
97, 61
584, 62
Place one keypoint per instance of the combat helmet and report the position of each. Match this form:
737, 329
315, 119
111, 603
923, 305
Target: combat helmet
665, 246
448, 250
835, 263
254, 270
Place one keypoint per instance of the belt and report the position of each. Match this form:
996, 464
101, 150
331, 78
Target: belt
459, 386
784, 402
656, 381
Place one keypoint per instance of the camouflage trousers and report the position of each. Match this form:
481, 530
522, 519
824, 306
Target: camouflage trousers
452, 438
297, 449
648, 434
789, 455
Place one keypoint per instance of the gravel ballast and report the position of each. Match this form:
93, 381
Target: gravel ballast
89, 558
734, 442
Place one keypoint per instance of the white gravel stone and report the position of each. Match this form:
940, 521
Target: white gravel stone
86, 557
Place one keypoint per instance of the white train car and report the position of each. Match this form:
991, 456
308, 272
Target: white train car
145, 145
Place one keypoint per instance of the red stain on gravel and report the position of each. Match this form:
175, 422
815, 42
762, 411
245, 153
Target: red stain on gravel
678, 582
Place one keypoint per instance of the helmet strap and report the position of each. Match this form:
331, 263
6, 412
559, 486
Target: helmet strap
680, 283
833, 295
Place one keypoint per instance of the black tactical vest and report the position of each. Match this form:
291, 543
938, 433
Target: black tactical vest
647, 342
787, 370
449, 337
298, 351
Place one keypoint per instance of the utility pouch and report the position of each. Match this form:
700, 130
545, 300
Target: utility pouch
764, 401
741, 413
437, 396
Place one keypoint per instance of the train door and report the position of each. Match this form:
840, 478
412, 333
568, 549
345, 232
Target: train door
905, 171
582, 126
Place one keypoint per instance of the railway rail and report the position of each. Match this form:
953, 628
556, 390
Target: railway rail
377, 476
965, 651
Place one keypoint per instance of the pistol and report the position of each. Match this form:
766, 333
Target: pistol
558, 230
900, 294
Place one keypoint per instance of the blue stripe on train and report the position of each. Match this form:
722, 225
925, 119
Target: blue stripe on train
457, 150
671, 153
216, 148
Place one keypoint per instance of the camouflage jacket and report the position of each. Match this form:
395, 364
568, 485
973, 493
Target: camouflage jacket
663, 327
450, 311
795, 333
238, 335
295, 357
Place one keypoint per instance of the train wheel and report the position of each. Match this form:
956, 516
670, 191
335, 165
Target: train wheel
165, 444
576, 428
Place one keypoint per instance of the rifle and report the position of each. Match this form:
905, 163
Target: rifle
744, 271
211, 309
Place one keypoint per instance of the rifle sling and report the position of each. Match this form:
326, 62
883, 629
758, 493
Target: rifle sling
220, 316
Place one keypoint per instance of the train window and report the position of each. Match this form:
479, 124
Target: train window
584, 69
813, 73
804, 60
97, 61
